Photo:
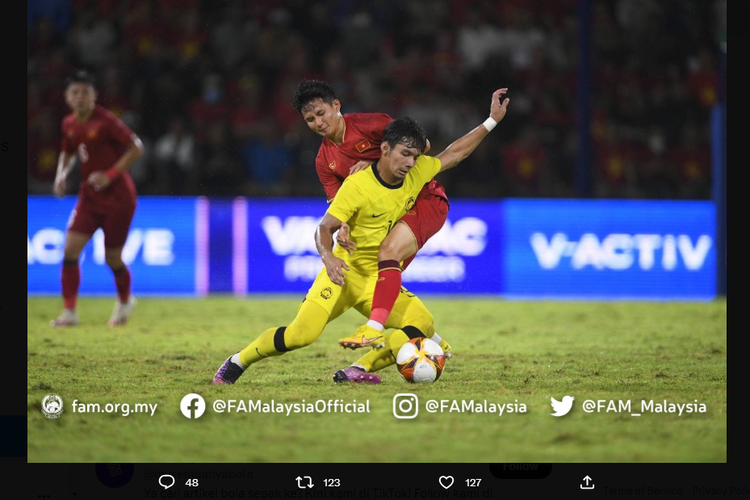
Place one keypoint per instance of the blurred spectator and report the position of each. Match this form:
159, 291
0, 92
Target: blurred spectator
112, 93
210, 106
703, 78
144, 26
655, 174
220, 173
360, 38
524, 163
174, 154
91, 38
228, 66
692, 163
268, 161
522, 37
615, 165
233, 35
188, 41
477, 39
43, 147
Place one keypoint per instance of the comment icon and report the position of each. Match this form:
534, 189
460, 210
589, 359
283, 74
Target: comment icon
166, 481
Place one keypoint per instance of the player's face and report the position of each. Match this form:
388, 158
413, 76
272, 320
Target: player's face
321, 117
80, 97
401, 159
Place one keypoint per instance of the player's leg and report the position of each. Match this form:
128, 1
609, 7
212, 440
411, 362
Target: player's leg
408, 311
81, 226
324, 302
401, 245
116, 227
306, 327
398, 245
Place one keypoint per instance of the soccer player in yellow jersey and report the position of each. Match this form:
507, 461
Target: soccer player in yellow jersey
370, 202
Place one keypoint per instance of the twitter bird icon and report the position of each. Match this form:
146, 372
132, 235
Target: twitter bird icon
562, 407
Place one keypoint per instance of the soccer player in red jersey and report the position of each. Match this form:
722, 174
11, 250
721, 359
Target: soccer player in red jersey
351, 142
105, 148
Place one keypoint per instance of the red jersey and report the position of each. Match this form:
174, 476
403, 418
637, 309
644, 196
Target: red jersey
99, 142
362, 138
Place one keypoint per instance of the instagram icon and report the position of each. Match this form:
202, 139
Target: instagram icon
405, 405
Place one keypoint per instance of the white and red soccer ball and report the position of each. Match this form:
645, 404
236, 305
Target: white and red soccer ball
420, 360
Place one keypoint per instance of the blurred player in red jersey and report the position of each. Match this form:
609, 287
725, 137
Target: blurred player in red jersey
351, 142
105, 148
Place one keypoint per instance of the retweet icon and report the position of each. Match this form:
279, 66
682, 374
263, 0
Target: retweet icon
562, 407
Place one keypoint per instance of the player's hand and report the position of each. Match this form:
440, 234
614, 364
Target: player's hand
360, 165
342, 239
98, 180
61, 184
499, 106
335, 268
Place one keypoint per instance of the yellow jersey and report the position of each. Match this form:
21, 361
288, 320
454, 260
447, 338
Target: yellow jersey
371, 208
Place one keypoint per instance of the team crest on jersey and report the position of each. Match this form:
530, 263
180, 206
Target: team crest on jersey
92, 133
361, 146
409, 203
332, 165
326, 293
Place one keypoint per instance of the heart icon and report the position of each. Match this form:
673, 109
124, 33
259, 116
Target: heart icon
446, 481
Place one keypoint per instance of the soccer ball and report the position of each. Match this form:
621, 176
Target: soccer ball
420, 360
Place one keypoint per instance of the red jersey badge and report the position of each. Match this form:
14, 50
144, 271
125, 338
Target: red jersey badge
361, 146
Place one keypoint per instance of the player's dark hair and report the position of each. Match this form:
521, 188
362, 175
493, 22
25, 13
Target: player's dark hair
405, 131
80, 76
309, 90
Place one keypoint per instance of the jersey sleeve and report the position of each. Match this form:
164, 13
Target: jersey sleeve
331, 183
120, 133
426, 168
346, 203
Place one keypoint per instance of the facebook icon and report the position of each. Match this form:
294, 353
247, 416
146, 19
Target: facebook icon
192, 406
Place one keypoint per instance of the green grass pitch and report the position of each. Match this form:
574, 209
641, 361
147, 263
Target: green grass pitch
506, 352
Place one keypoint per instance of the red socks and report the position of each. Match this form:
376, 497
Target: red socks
122, 282
386, 290
71, 280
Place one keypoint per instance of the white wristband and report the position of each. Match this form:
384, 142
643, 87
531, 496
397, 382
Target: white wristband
489, 124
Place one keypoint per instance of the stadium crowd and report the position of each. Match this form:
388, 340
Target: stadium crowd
207, 85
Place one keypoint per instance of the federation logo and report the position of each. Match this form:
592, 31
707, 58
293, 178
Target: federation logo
326, 293
332, 165
52, 406
409, 203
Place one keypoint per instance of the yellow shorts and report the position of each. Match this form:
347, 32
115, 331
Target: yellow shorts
357, 293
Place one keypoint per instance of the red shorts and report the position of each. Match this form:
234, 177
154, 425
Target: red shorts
426, 218
115, 224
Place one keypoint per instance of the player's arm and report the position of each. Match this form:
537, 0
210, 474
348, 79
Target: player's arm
460, 149
324, 243
103, 178
65, 163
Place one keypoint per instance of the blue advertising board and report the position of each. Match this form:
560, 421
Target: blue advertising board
512, 248
609, 249
166, 249
281, 255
